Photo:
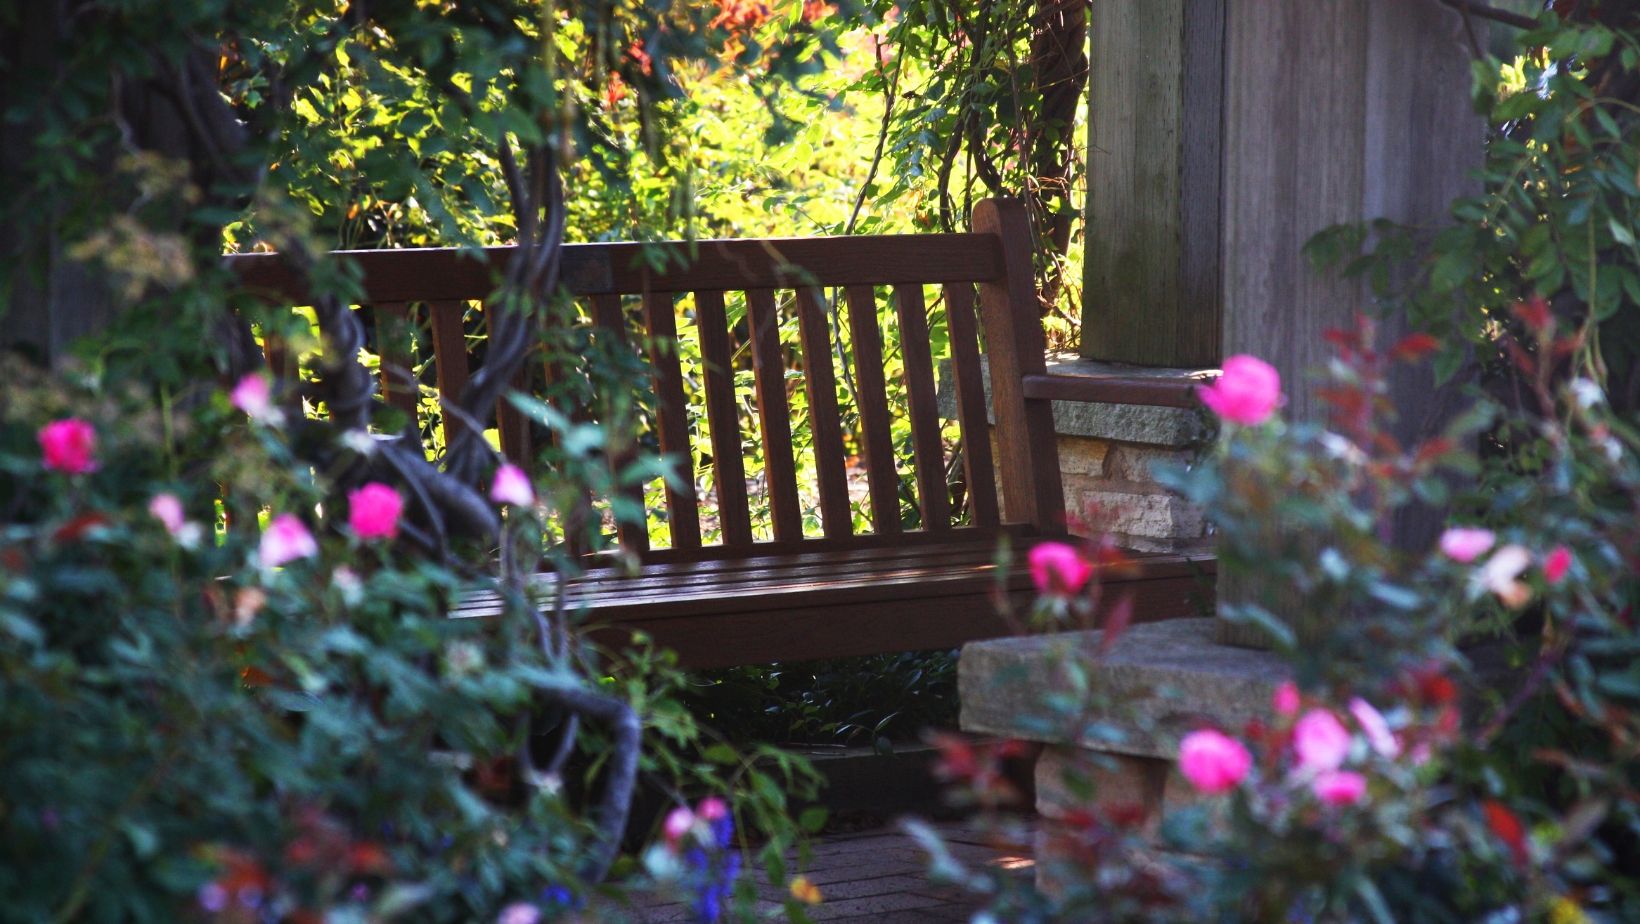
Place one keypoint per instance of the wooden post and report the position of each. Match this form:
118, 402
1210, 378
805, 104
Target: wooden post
1151, 291
1334, 112
1028, 455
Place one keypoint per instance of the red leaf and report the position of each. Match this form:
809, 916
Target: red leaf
1116, 622
1414, 347
74, 530
1506, 825
1535, 313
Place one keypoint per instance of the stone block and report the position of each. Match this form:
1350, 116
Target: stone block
1139, 464
1157, 515
1169, 677
1170, 427
1082, 456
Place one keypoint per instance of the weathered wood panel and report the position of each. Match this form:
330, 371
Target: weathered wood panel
1334, 112
1151, 293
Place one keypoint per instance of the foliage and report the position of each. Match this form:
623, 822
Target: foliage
228, 723
193, 732
1523, 806
1400, 779
877, 699
1556, 217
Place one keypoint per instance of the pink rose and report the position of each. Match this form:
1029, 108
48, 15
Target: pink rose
1321, 741
253, 396
67, 446
1339, 787
1247, 392
1059, 569
512, 486
1465, 543
1213, 762
285, 540
1286, 699
1556, 564
1376, 729
167, 509
519, 913
678, 823
373, 511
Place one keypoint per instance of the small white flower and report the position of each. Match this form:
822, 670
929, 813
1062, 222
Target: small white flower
1342, 448
1499, 575
360, 442
346, 580
1586, 392
1614, 449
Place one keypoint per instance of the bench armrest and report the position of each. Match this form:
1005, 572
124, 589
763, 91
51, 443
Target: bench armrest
1117, 389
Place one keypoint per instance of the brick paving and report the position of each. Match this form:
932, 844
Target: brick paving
876, 877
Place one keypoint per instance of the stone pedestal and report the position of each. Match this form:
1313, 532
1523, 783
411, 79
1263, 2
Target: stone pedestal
1163, 681
1108, 456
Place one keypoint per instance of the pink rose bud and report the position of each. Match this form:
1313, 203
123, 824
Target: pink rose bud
1375, 728
373, 511
1321, 741
1465, 544
167, 509
1286, 699
519, 913
1339, 787
1247, 392
68, 445
1059, 569
1556, 564
253, 396
285, 540
512, 486
678, 823
712, 808
1213, 762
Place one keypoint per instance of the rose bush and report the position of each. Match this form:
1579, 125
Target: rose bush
227, 694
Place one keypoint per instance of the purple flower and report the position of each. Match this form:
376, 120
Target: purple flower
213, 897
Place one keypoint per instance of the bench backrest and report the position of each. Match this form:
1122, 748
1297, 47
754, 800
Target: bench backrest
996, 257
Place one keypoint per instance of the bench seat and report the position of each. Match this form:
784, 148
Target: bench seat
791, 606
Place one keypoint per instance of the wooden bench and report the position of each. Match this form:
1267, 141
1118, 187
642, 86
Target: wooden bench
736, 597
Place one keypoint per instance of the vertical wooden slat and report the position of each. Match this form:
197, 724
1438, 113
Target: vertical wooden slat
1028, 449
671, 411
277, 354
924, 406
774, 414
825, 426
611, 321
514, 427
971, 415
877, 435
394, 340
450, 359
723, 416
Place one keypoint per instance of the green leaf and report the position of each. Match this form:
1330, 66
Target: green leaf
721, 754
1621, 232
813, 819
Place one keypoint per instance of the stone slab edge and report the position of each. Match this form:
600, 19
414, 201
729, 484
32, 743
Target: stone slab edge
1172, 427
1171, 675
